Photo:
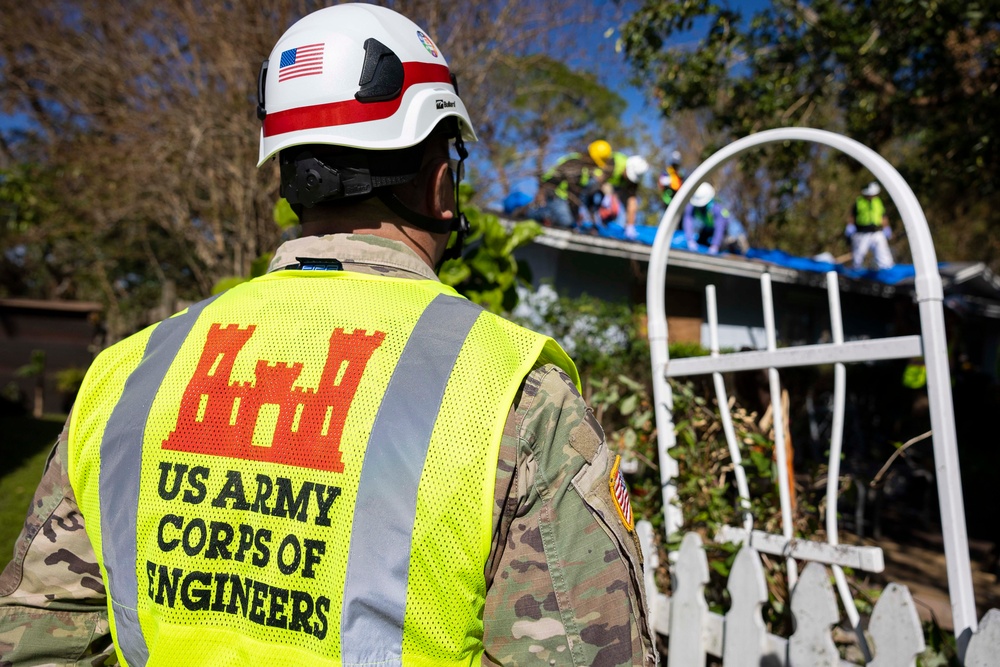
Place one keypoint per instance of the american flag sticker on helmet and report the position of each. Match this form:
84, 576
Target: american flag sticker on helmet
619, 492
300, 61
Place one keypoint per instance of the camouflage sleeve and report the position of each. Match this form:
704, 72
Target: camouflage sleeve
52, 601
564, 577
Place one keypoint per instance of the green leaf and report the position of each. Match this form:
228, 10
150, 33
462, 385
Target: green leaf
630, 438
258, 267
522, 234
719, 567
629, 382
284, 216
454, 272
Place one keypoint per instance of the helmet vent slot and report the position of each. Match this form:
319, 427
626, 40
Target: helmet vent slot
381, 75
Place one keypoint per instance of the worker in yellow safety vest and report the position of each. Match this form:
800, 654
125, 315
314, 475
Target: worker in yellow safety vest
568, 187
624, 174
344, 461
868, 229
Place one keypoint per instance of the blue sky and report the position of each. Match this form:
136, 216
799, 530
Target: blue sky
596, 42
595, 52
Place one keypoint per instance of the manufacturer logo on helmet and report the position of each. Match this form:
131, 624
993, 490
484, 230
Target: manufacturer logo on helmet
428, 44
444, 104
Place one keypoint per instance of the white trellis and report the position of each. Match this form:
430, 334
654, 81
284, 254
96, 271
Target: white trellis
739, 638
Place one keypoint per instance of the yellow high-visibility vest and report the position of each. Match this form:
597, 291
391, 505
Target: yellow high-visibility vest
618, 170
869, 213
301, 471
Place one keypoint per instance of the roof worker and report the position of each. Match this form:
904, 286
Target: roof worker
707, 222
670, 181
609, 208
624, 173
569, 186
342, 461
869, 230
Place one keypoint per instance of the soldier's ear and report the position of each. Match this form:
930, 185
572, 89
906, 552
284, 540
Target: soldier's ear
440, 191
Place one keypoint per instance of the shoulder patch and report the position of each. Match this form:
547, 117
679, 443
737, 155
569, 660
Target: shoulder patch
619, 492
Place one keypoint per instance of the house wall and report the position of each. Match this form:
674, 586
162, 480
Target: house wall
68, 333
882, 412
802, 310
575, 273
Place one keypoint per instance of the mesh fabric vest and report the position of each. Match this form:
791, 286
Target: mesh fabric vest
572, 171
869, 213
301, 471
618, 169
705, 215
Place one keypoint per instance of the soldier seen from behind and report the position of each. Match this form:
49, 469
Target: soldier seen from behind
344, 461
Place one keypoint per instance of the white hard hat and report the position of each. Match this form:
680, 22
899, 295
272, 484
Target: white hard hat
675, 157
635, 167
704, 194
871, 190
355, 75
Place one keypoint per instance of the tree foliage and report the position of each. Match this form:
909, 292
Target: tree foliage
139, 120
487, 272
916, 80
129, 148
551, 106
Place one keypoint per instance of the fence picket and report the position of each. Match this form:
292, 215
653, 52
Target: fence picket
895, 629
815, 609
740, 638
744, 638
687, 604
651, 558
984, 646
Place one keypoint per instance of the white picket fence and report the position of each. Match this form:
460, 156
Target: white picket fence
893, 635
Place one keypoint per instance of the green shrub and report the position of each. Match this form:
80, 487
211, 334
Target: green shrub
608, 342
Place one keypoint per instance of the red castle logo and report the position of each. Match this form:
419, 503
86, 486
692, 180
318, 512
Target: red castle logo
220, 418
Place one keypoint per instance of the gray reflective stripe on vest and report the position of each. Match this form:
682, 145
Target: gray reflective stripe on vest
121, 468
379, 558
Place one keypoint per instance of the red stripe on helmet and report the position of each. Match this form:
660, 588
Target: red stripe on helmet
352, 111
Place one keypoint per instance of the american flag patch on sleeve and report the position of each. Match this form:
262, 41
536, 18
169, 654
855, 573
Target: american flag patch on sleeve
619, 492
300, 61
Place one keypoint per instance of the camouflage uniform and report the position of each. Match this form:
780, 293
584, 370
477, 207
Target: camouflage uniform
564, 574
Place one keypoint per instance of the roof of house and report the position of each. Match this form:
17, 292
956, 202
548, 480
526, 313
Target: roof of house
51, 305
967, 285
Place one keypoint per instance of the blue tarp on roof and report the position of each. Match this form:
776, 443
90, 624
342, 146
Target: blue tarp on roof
647, 234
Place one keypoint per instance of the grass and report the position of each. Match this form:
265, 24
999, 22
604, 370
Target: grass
24, 447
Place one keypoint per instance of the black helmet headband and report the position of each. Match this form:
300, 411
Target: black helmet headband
315, 173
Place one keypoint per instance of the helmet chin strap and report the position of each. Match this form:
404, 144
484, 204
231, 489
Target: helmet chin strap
425, 222
459, 224
462, 230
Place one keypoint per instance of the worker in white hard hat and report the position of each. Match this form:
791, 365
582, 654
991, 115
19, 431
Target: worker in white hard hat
344, 461
869, 230
624, 173
707, 222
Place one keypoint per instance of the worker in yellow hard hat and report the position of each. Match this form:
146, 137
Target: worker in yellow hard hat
600, 152
569, 185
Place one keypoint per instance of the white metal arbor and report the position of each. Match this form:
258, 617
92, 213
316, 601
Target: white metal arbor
931, 344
